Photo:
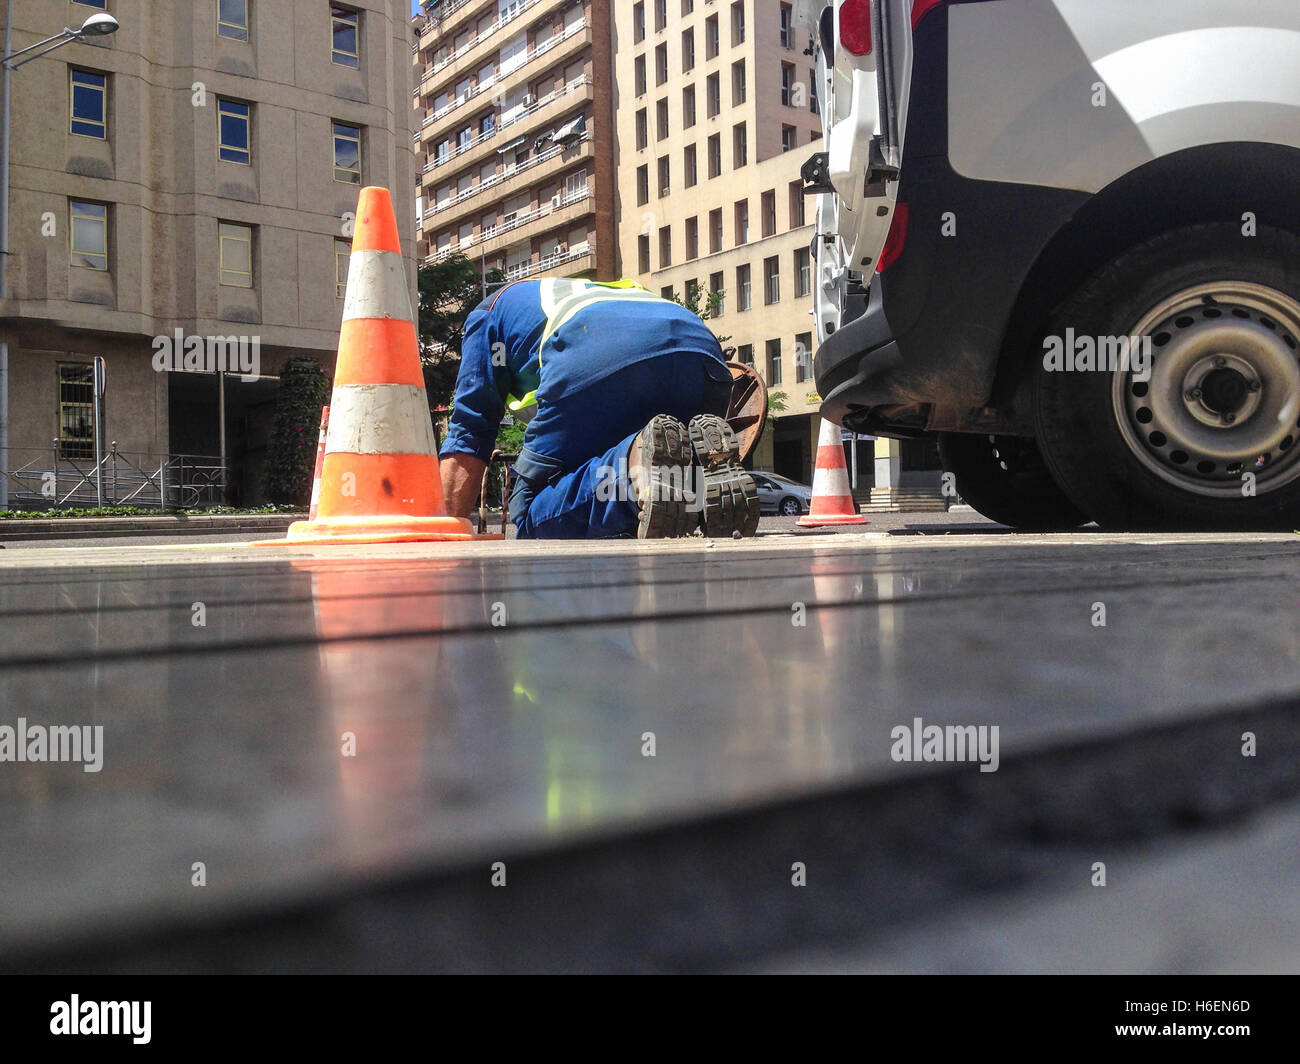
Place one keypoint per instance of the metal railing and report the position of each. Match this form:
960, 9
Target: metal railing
475, 40
517, 221
505, 174
42, 478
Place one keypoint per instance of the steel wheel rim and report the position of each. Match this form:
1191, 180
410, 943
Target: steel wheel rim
1223, 398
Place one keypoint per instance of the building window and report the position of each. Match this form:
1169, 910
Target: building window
738, 23
661, 119
342, 256
742, 222
88, 113
638, 23
346, 25
746, 354
713, 95
642, 185
665, 246
788, 137
773, 363
813, 104
712, 40
234, 120
643, 254
797, 205
769, 213
787, 84
802, 272
738, 88
687, 7
666, 292
232, 19
718, 297
236, 242
665, 183
688, 50
715, 231
90, 3
347, 153
661, 64
802, 357
642, 130
744, 297
715, 155
89, 234
692, 238
76, 410
638, 74
772, 280
740, 146
787, 27
661, 15
690, 167
688, 107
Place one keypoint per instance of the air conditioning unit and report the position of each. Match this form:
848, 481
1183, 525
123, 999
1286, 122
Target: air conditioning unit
555, 200
529, 99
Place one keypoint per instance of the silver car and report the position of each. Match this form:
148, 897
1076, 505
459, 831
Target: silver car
780, 495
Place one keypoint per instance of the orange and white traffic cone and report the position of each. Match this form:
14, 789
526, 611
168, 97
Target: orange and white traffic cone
320, 461
379, 476
832, 501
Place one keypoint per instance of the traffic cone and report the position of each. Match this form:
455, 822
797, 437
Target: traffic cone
832, 502
320, 460
379, 476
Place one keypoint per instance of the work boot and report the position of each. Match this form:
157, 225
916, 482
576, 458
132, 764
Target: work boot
658, 471
730, 496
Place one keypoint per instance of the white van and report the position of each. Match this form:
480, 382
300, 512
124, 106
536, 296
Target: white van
1060, 237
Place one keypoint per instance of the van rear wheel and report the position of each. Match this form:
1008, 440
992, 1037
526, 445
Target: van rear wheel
1204, 434
1004, 478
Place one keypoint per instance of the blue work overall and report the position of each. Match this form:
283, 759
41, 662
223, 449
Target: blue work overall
591, 363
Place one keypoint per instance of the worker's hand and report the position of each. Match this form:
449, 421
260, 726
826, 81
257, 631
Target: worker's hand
462, 480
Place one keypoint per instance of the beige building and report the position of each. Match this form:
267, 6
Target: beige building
192, 172
716, 116
515, 139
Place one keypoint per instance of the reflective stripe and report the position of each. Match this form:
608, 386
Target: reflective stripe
377, 287
563, 298
379, 419
528, 400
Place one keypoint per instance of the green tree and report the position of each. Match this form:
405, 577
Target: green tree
295, 427
449, 290
707, 305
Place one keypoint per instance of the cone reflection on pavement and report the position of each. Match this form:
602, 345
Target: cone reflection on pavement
379, 477
832, 501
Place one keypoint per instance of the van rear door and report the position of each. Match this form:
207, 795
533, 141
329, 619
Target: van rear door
864, 70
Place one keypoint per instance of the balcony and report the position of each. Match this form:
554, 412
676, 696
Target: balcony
563, 210
469, 57
509, 181
525, 122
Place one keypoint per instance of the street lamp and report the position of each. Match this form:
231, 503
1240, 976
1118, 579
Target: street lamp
98, 25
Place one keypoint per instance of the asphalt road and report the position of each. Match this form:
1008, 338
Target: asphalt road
657, 742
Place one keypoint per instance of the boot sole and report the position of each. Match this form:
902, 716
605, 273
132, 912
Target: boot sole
730, 496
664, 514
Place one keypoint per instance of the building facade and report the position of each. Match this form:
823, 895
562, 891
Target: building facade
191, 175
515, 138
716, 115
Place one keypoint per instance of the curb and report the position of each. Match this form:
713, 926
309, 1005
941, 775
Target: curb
21, 529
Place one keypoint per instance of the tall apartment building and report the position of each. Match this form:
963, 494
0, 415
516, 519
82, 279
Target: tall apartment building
191, 172
716, 115
515, 138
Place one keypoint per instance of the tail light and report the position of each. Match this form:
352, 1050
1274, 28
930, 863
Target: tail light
895, 240
921, 8
855, 26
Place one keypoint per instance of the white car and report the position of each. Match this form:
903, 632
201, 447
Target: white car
1063, 238
781, 495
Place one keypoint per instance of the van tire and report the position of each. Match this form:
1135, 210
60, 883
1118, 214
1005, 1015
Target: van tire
1100, 432
1004, 478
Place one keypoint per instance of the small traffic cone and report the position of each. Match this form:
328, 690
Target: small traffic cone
832, 502
379, 476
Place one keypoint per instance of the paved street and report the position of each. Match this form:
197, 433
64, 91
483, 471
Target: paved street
501, 701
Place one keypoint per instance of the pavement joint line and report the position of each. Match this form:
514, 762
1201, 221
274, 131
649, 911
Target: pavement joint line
529, 627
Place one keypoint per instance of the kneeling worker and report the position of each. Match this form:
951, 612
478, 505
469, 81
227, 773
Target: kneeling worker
625, 395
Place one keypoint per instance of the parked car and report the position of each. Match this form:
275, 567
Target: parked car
780, 495
1061, 237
